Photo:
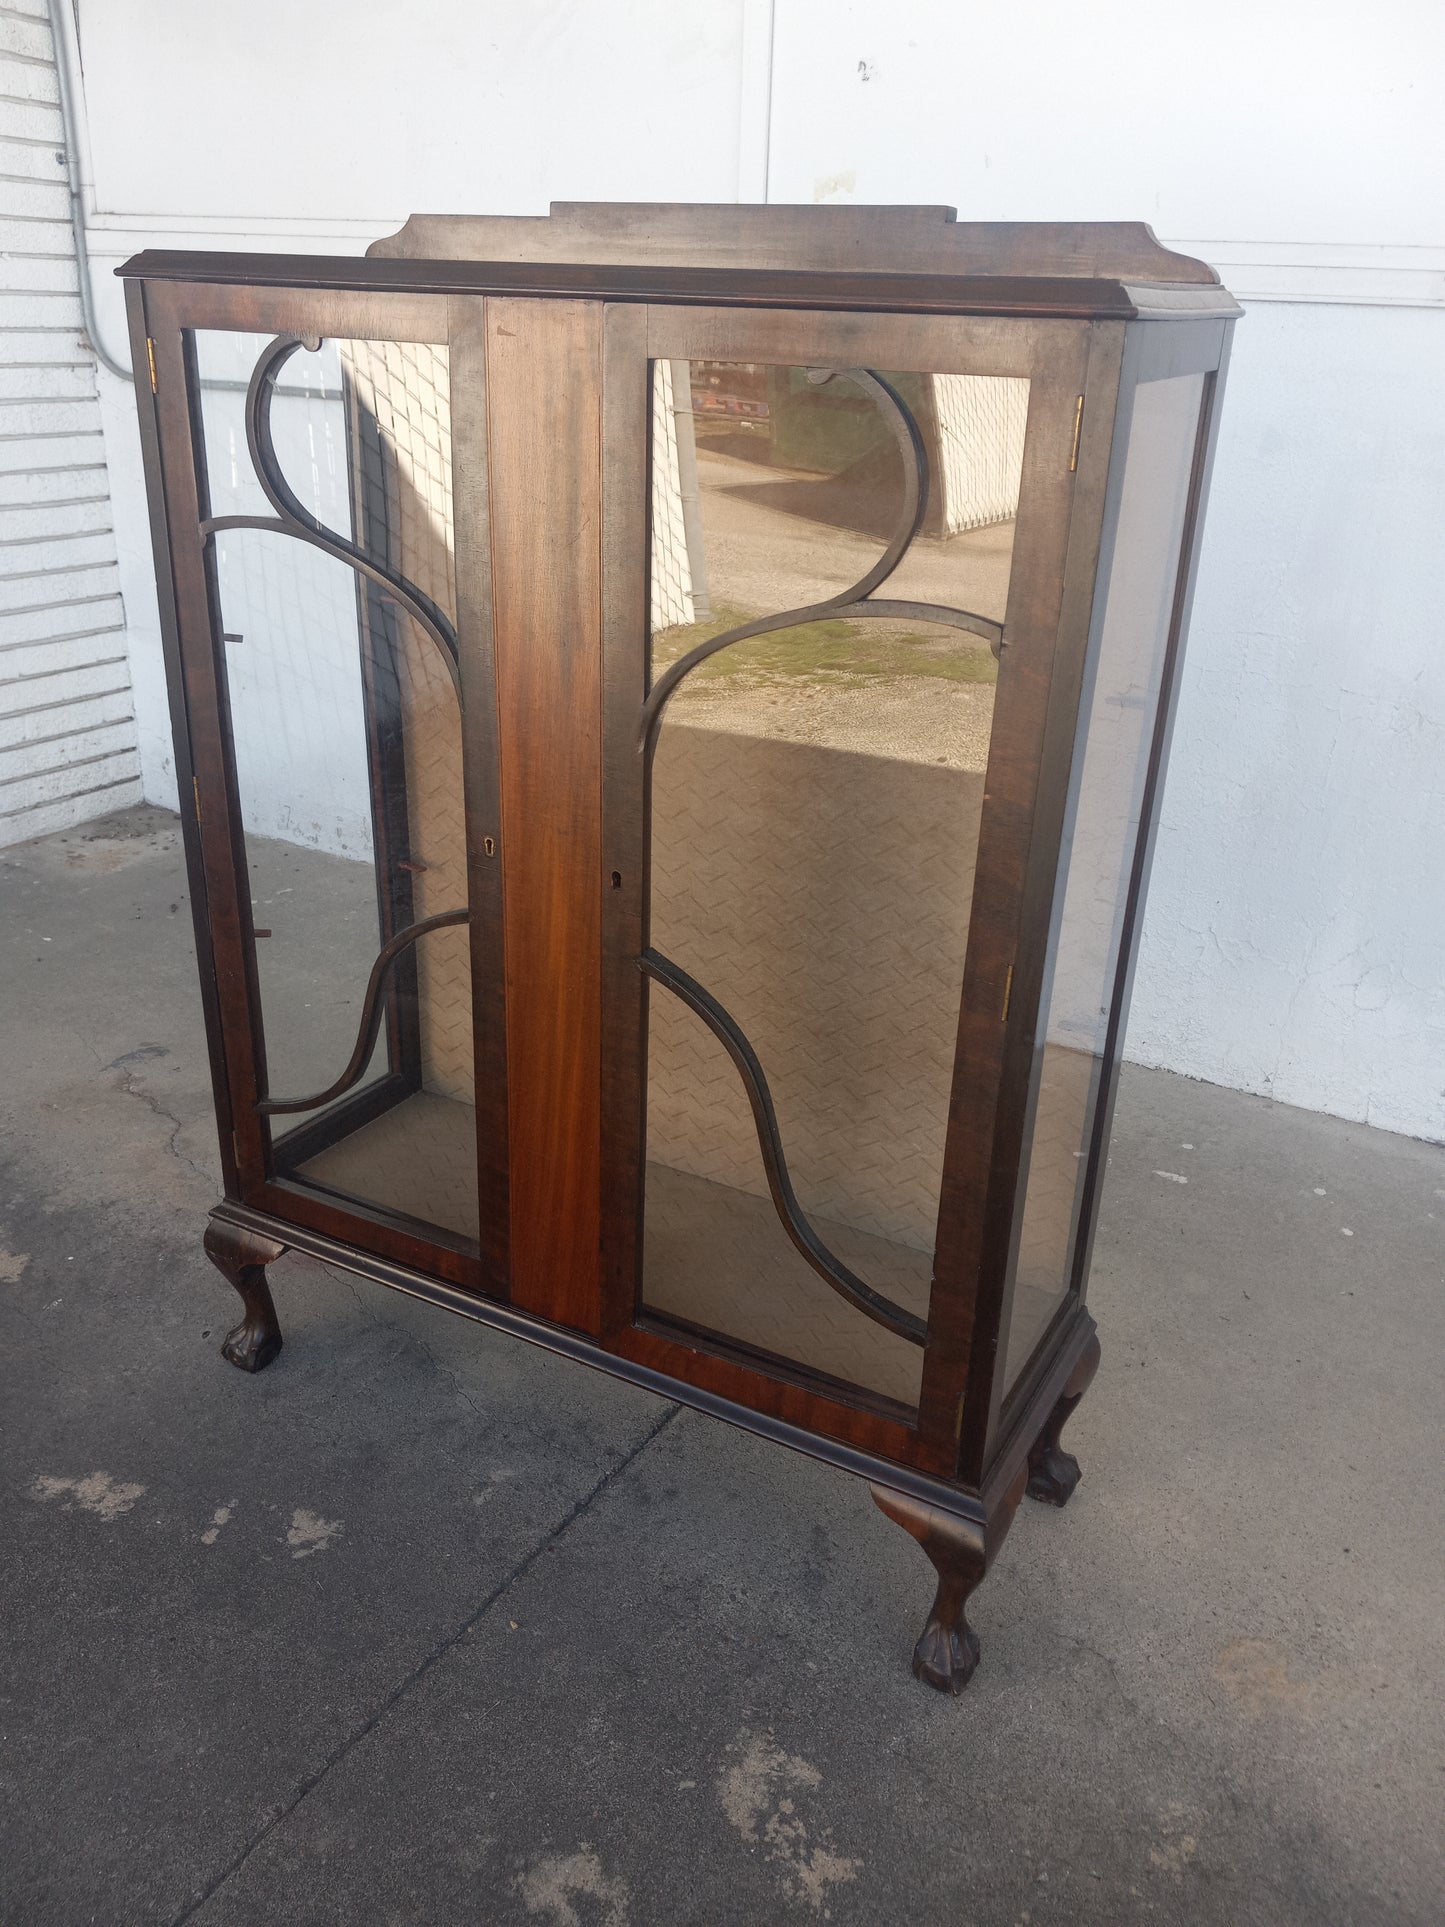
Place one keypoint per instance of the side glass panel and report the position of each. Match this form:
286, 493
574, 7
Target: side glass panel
1117, 716
345, 734
816, 794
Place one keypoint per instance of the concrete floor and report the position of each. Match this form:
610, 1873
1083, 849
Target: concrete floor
422, 1625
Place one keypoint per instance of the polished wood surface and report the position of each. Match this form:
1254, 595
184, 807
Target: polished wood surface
960, 1552
1066, 607
241, 1257
1058, 295
552, 326
985, 1080
482, 777
1053, 1472
838, 239
544, 425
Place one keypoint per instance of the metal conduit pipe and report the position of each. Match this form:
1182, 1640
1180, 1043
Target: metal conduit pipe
67, 66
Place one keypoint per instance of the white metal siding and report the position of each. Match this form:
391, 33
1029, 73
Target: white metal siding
67, 728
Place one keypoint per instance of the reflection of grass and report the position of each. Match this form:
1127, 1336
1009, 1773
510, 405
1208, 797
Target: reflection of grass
838, 654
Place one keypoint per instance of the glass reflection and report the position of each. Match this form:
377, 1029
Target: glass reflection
1117, 717
347, 749
816, 798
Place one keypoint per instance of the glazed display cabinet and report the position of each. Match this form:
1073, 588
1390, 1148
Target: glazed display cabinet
671, 706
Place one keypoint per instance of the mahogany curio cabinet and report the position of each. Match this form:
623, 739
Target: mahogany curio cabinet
671, 706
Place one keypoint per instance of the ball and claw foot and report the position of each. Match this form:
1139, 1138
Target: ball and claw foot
242, 1257
948, 1651
1053, 1472
945, 1656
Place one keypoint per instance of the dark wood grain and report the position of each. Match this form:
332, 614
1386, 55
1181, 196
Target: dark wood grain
241, 1256
550, 338
968, 1274
1053, 1472
1035, 862
482, 778
624, 881
836, 239
544, 423
960, 1552
1058, 296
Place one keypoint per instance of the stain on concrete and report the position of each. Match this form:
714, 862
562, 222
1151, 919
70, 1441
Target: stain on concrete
555, 1881
1178, 1840
309, 1534
137, 1056
108, 1498
220, 1517
1255, 1674
757, 1789
12, 1263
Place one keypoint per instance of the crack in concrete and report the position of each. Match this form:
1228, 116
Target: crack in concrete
426, 1665
133, 1089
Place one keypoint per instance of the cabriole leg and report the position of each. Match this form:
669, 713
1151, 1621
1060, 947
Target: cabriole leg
947, 1652
1053, 1473
242, 1257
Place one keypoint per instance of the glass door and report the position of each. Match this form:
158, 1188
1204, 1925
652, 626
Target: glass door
314, 539
838, 652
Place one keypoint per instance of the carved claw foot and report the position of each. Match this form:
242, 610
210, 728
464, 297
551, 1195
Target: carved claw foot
945, 1656
242, 1257
948, 1651
1053, 1472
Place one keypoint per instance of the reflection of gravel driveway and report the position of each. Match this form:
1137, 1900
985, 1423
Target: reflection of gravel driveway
913, 720
763, 558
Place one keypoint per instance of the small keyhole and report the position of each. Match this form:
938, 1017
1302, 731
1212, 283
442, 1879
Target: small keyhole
489, 845
617, 879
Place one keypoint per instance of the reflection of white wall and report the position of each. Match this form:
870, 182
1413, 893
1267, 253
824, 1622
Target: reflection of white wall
671, 573
292, 660
981, 422
1108, 799
1294, 941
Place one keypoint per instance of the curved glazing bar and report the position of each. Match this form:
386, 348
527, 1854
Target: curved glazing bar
370, 1025
294, 519
832, 1270
857, 598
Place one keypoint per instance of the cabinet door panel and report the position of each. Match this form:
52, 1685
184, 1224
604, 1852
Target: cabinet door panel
314, 549
827, 583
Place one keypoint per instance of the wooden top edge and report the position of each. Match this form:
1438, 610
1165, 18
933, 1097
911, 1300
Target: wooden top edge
1032, 295
896, 240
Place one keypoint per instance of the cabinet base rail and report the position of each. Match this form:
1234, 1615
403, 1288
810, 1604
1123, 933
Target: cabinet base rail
959, 1527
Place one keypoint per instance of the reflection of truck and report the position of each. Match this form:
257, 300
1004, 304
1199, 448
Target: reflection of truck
729, 391
972, 428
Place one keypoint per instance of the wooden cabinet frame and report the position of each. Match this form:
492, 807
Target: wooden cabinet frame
549, 371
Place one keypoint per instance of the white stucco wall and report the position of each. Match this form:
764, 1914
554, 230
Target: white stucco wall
1295, 940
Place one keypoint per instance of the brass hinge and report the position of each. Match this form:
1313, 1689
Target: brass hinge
236, 1148
151, 358
1008, 991
196, 792
1078, 424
